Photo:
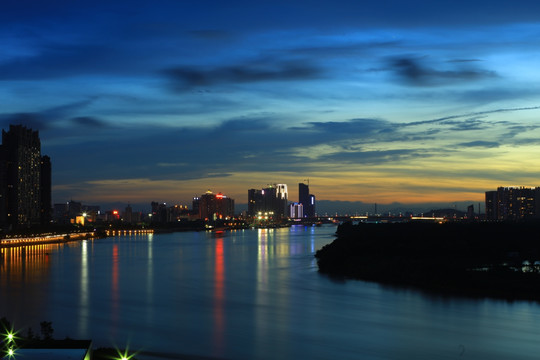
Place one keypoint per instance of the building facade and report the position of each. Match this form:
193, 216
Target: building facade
296, 211
25, 178
271, 201
214, 206
513, 203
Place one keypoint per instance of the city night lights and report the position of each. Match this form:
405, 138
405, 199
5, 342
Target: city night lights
269, 180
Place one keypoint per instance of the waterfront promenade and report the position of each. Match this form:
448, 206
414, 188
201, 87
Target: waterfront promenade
46, 239
66, 237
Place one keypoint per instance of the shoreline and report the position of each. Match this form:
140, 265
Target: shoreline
474, 260
47, 239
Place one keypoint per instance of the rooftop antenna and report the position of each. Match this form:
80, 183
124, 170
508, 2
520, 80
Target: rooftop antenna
307, 181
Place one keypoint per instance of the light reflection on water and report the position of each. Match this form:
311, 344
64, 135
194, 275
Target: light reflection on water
252, 294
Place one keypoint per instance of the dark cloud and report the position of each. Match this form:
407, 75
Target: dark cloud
56, 122
184, 77
353, 126
515, 130
413, 72
467, 124
480, 143
35, 121
88, 121
463, 60
467, 115
248, 144
375, 157
526, 141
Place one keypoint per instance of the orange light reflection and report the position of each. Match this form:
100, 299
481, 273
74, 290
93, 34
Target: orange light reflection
219, 297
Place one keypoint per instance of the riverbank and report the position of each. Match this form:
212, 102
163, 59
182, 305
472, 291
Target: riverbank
48, 239
500, 260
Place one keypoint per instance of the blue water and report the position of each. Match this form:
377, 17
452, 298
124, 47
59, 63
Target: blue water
251, 294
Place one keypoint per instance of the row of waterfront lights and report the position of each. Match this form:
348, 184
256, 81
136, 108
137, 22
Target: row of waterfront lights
38, 239
130, 232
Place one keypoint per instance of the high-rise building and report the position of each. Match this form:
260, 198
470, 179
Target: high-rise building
306, 199
271, 201
513, 203
255, 201
214, 206
25, 190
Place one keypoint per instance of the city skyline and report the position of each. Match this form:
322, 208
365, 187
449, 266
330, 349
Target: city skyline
387, 102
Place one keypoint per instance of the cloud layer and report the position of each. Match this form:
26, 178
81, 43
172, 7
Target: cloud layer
376, 102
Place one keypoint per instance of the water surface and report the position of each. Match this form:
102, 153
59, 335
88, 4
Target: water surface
251, 294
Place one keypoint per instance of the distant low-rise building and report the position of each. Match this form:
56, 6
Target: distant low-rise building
296, 211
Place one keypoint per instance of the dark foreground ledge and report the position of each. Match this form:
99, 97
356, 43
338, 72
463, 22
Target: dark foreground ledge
499, 260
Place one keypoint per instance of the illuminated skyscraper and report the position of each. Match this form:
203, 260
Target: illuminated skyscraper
271, 200
25, 190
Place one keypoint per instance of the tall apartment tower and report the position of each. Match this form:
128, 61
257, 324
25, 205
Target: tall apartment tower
306, 199
513, 203
25, 179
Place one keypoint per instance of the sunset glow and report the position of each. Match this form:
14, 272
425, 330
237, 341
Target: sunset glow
373, 102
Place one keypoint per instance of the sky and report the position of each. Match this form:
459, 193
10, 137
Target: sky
409, 102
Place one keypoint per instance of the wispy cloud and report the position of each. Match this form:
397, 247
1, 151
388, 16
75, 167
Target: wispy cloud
413, 72
480, 143
184, 77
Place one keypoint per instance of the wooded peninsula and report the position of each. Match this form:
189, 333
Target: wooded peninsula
477, 259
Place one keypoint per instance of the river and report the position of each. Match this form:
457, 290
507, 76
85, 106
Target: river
246, 294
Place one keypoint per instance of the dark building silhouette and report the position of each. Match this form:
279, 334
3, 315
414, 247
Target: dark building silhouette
159, 212
470, 212
60, 213
271, 201
491, 205
74, 209
128, 214
513, 203
25, 179
306, 199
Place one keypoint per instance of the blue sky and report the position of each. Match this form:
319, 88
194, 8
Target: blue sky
390, 101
